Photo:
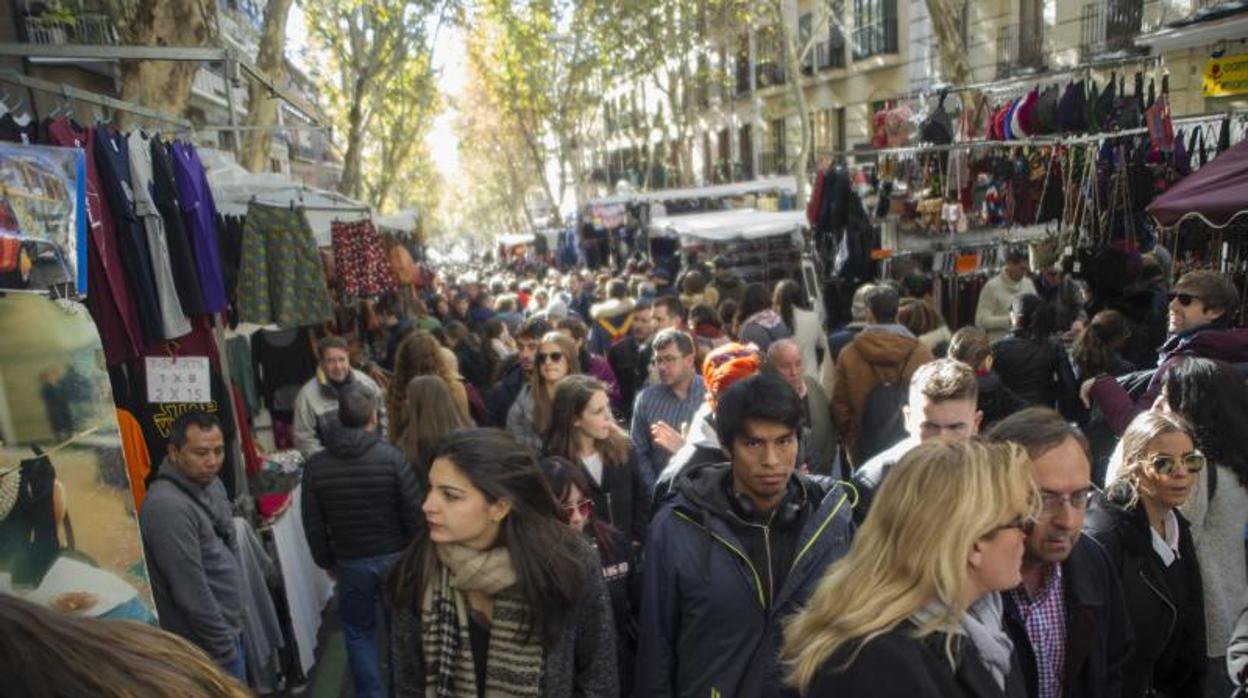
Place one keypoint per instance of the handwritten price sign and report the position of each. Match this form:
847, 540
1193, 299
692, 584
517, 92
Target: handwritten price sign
184, 379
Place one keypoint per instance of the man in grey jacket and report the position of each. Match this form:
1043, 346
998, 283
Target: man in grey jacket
188, 535
316, 406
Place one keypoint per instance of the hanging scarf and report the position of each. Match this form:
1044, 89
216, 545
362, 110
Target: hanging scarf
513, 664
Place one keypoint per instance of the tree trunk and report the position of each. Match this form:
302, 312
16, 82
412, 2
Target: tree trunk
261, 107
794, 68
162, 85
351, 165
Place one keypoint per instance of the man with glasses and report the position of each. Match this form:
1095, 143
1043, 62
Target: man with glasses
942, 405
1067, 619
667, 406
1203, 306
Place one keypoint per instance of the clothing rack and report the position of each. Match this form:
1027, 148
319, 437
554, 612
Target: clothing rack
992, 85
81, 95
1034, 140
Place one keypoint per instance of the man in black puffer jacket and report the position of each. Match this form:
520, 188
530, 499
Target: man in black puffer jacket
361, 506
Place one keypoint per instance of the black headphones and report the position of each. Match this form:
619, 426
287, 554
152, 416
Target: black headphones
784, 517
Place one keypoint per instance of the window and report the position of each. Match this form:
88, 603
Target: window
875, 27
805, 24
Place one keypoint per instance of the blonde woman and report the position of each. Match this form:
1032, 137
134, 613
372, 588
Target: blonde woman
1150, 544
912, 609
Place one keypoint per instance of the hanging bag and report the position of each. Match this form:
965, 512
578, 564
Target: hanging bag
937, 128
1157, 117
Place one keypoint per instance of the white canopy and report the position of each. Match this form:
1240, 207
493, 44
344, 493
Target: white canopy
785, 184
233, 188
517, 239
729, 226
404, 221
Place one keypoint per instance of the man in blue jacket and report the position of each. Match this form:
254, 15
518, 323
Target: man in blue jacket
736, 550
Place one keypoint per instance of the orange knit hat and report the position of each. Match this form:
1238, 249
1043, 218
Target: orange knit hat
726, 365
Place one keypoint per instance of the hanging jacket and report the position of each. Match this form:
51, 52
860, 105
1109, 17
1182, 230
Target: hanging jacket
709, 625
1168, 622
611, 322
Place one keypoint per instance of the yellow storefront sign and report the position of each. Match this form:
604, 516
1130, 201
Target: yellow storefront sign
1225, 76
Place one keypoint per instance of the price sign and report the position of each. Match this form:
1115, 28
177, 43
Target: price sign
184, 379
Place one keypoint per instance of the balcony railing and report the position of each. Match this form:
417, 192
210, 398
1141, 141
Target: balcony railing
1109, 27
1019, 55
86, 28
875, 38
771, 163
829, 55
770, 74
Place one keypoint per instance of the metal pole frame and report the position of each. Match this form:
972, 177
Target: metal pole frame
75, 93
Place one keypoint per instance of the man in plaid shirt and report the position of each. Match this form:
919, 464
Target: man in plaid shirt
1067, 619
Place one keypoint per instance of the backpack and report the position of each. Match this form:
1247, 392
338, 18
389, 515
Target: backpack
882, 423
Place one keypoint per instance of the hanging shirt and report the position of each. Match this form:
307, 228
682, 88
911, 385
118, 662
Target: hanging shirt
181, 258
173, 321
199, 210
108, 295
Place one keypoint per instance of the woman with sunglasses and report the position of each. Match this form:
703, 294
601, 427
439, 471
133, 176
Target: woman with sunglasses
570, 482
583, 430
529, 416
497, 596
1213, 397
1149, 542
913, 610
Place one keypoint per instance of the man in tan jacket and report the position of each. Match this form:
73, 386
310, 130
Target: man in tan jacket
885, 354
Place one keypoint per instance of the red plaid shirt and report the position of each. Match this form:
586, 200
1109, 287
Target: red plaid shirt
1045, 620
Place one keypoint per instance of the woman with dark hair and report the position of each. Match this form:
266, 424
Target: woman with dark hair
1097, 349
583, 430
757, 321
728, 313
1213, 398
925, 323
1149, 542
441, 309
572, 486
1031, 362
529, 416
496, 344
433, 416
591, 364
497, 596
791, 303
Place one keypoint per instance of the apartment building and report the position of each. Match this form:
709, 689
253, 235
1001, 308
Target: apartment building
744, 121
301, 152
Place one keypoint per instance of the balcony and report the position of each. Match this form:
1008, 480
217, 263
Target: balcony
772, 163
875, 39
770, 74
1109, 28
1019, 54
829, 56
210, 85
88, 28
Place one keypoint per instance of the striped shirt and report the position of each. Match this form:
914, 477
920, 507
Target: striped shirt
659, 403
1045, 620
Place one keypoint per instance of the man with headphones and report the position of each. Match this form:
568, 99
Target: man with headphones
737, 548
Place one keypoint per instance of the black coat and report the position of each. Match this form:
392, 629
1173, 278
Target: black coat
898, 665
1037, 370
1098, 632
1166, 606
622, 500
625, 357
511, 380
360, 498
996, 401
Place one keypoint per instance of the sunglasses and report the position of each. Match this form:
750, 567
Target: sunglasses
585, 508
1165, 465
553, 356
1026, 524
1185, 299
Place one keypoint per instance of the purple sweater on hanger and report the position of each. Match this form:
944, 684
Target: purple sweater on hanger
200, 213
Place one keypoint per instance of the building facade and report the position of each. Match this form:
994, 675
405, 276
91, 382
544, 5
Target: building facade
860, 56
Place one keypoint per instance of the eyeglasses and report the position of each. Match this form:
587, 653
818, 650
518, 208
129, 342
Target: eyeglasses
553, 356
1185, 299
1053, 503
1165, 465
585, 508
1026, 524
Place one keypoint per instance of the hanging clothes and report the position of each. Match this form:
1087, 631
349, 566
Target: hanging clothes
231, 229
28, 541
282, 361
138, 459
363, 269
108, 294
14, 130
281, 280
112, 160
200, 212
181, 256
173, 320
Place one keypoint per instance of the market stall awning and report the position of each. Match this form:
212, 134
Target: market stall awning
1203, 28
785, 184
729, 226
516, 240
1215, 193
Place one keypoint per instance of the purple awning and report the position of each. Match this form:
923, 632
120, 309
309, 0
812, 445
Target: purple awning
1215, 193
